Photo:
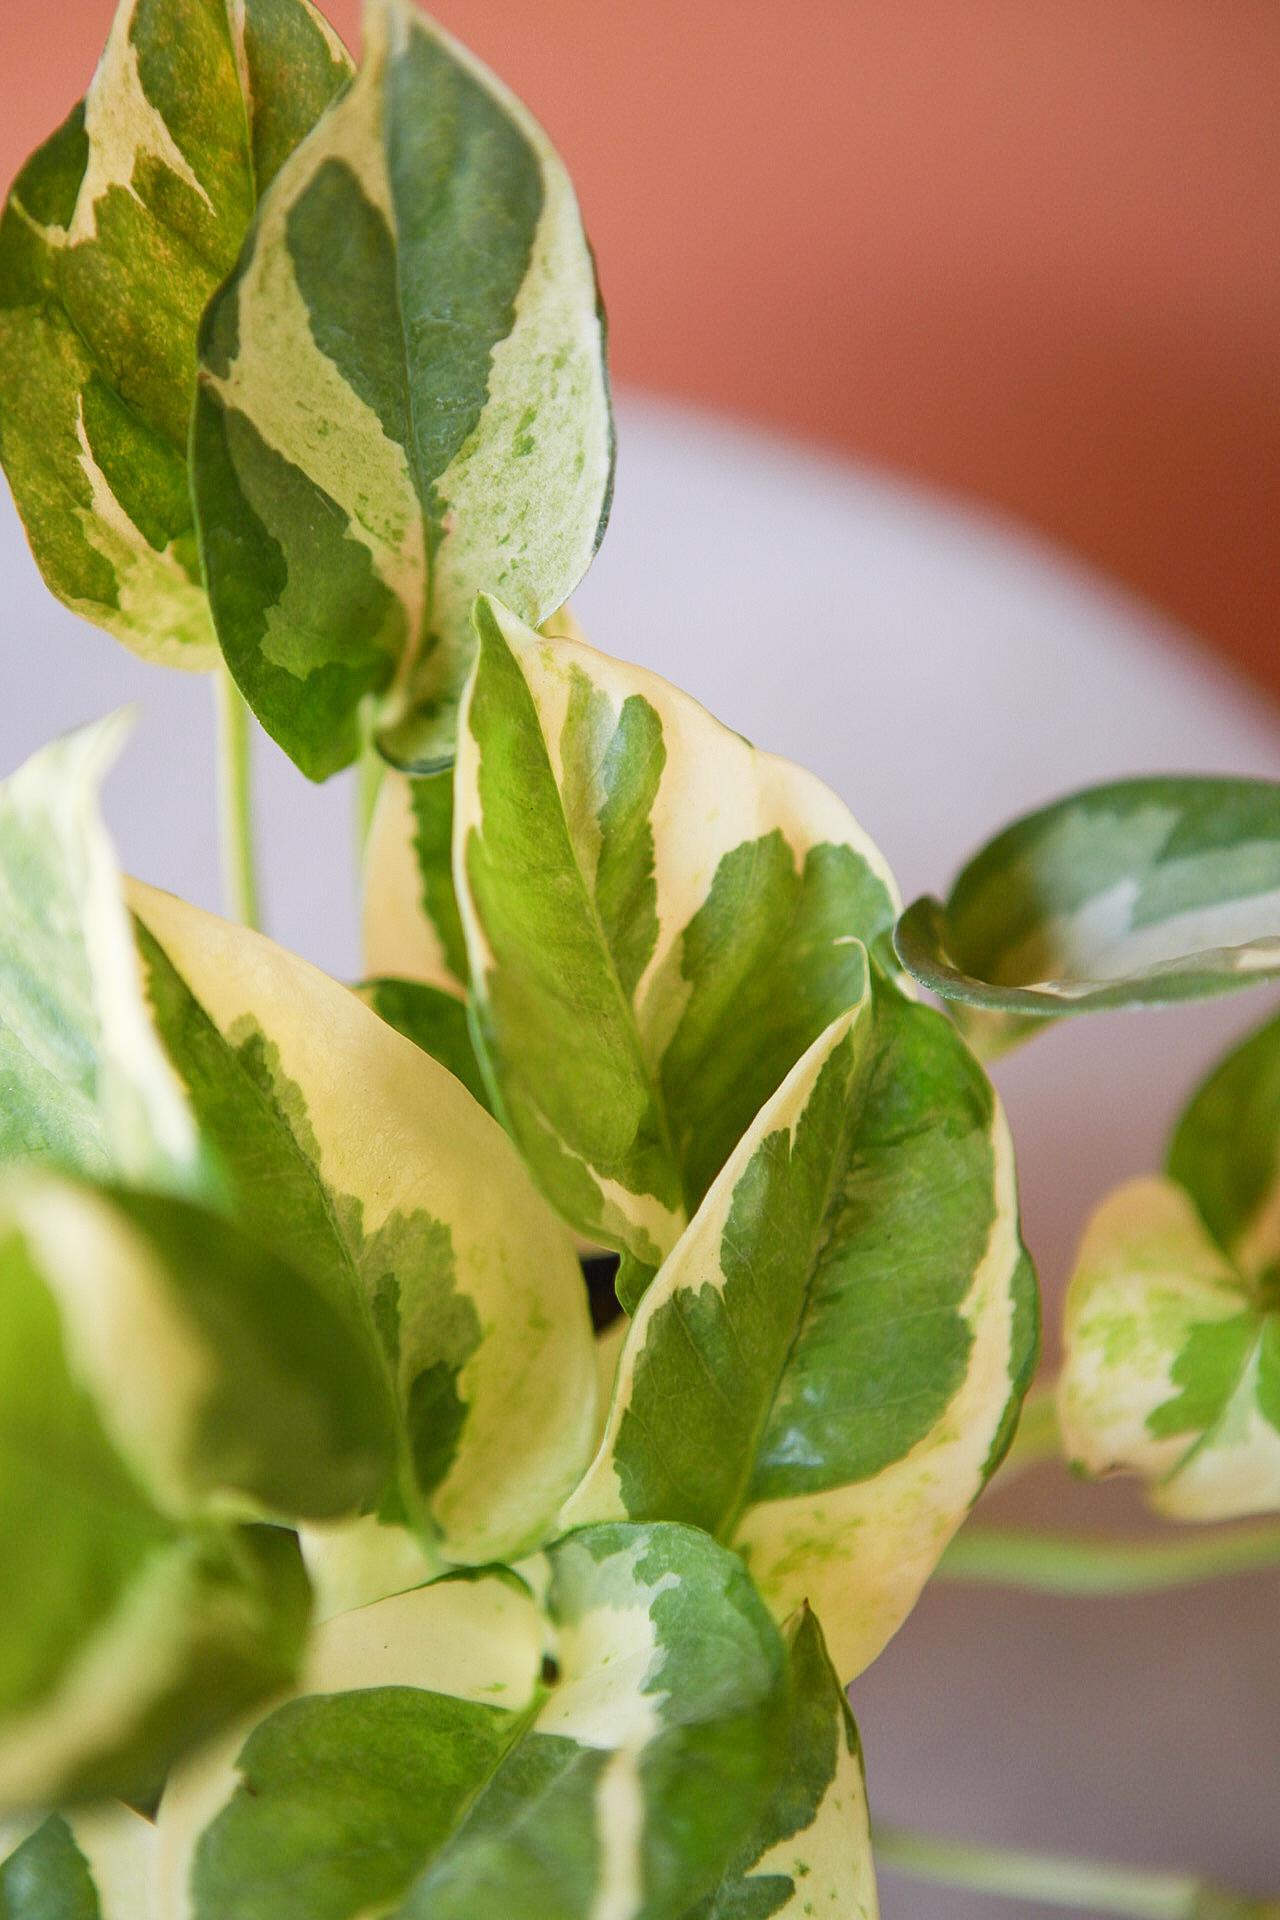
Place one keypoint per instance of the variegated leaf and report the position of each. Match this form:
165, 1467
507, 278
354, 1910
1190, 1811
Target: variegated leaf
434, 1020
359, 1561
1172, 1366
227, 1380
403, 399
83, 1081
376, 1172
114, 237
659, 918
412, 926
1138, 894
125, 1632
811, 1856
441, 1766
830, 1362
412, 929
94, 1863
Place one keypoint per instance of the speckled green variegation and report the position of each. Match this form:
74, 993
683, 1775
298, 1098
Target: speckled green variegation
621, 1779
829, 1363
1172, 1336
91, 1863
659, 920
1142, 893
114, 237
403, 400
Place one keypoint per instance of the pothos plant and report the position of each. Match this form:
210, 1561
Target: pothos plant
348, 1569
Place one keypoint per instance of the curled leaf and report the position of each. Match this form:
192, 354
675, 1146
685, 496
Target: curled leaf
1142, 893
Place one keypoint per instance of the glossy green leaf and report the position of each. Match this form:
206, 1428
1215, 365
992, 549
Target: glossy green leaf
126, 1631
403, 399
1172, 1332
115, 235
830, 1362
811, 1855
434, 1020
95, 1863
348, 1149
1141, 893
439, 1767
660, 920
83, 1081
1226, 1153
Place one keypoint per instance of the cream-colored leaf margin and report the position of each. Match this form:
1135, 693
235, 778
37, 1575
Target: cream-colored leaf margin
716, 792
119, 1848
50, 813
1147, 1275
478, 1640
859, 1555
396, 1132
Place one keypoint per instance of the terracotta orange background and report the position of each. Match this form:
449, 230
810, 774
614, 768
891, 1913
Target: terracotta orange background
1028, 249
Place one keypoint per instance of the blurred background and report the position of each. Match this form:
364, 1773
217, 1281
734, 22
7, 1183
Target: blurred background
990, 292
1023, 249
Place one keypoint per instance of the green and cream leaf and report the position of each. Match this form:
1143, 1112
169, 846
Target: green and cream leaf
135, 1626
115, 235
435, 1020
828, 1365
226, 1380
1172, 1359
811, 1856
403, 399
660, 919
371, 1167
1142, 893
83, 1080
412, 927
90, 1863
430, 1771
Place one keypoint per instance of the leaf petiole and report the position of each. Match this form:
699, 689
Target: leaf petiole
1054, 1880
1075, 1566
235, 802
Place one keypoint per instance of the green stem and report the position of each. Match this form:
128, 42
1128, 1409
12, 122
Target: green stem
370, 768
1057, 1563
1091, 1885
235, 802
